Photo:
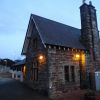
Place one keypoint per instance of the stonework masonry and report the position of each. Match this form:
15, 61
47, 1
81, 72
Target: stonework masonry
90, 38
50, 77
57, 59
90, 33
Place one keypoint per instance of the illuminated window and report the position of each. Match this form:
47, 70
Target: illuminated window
24, 71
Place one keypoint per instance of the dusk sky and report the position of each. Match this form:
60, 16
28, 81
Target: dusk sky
15, 14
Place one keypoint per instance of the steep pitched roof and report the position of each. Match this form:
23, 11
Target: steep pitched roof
55, 33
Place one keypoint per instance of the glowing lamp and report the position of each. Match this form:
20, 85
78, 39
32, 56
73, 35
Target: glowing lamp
41, 57
77, 56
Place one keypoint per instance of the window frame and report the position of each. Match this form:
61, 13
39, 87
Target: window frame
67, 78
69, 73
72, 70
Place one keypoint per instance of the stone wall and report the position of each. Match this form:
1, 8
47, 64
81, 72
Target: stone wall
90, 33
41, 83
57, 59
90, 39
35, 48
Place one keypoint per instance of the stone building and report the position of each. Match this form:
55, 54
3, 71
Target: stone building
60, 58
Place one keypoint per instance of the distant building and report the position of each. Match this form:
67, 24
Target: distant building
18, 70
5, 65
19, 65
60, 57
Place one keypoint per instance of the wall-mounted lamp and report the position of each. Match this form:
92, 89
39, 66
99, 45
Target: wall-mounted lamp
76, 57
41, 59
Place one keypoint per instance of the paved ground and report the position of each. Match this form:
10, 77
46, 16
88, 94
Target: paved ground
78, 95
14, 90
5, 75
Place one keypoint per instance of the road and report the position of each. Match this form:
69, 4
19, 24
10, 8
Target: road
14, 90
11, 89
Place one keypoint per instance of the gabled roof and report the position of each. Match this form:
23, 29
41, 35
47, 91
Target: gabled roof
55, 33
20, 62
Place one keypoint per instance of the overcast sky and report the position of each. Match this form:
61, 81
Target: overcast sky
15, 14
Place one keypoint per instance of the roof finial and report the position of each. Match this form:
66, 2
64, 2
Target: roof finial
90, 2
84, 1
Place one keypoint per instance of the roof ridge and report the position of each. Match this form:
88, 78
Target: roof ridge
54, 21
38, 31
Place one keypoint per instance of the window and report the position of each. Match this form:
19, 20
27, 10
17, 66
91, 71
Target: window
69, 72
66, 70
35, 63
72, 74
34, 74
35, 43
34, 70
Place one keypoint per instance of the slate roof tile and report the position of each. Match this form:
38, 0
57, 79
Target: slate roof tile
56, 33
